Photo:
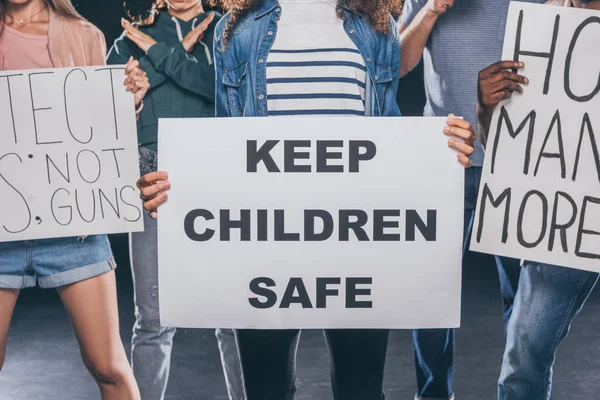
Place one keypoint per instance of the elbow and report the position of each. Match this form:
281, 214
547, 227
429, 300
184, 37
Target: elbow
404, 71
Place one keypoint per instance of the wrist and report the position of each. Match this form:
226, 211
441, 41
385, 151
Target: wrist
432, 12
139, 107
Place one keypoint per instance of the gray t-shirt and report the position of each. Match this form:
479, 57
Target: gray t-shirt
465, 39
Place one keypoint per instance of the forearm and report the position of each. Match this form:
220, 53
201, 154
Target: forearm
413, 39
189, 72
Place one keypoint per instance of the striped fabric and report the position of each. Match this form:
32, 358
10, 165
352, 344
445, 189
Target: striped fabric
321, 74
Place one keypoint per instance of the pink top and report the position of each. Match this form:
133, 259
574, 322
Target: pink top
20, 50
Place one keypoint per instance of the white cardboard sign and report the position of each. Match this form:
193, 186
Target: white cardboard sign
540, 192
68, 154
276, 223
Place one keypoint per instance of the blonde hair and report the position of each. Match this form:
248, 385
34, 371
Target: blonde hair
62, 7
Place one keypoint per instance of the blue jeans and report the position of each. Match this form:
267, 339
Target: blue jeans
548, 299
151, 343
434, 348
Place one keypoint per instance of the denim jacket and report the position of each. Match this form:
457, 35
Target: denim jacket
241, 78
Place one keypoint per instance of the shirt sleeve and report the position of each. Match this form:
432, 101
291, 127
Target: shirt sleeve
98, 51
410, 10
123, 48
189, 72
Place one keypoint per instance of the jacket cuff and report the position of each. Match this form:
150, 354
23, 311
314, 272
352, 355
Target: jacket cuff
158, 54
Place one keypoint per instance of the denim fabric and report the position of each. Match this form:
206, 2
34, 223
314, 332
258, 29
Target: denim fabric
269, 356
241, 66
548, 299
151, 344
54, 262
434, 348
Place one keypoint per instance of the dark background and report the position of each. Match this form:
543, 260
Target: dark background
43, 360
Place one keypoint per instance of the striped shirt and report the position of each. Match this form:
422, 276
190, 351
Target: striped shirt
313, 67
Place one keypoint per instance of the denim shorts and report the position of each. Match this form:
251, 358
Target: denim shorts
54, 262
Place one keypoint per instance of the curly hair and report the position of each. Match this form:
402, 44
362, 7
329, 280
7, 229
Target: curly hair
147, 17
378, 12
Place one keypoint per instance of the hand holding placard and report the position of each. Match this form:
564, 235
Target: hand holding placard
540, 191
68, 158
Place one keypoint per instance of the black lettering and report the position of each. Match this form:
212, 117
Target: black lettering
115, 206
291, 155
262, 225
521, 218
587, 125
352, 291
139, 211
562, 228
323, 291
289, 298
20, 195
10, 103
310, 234
370, 150
428, 230
505, 119
568, 91
67, 108
98, 163
112, 92
227, 224
190, 229
280, 234
582, 231
68, 207
356, 226
35, 110
93, 217
114, 151
550, 55
255, 155
323, 156
66, 176
561, 150
269, 295
487, 195
380, 224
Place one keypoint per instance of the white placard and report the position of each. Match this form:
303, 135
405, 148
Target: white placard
540, 192
393, 183
68, 154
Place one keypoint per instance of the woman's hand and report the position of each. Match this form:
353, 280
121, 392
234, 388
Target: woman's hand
462, 136
153, 191
191, 39
142, 40
136, 81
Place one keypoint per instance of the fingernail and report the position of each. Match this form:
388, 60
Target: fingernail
164, 195
446, 129
153, 215
526, 80
451, 142
521, 64
166, 185
164, 175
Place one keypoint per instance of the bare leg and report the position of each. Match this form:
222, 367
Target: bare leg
92, 306
8, 299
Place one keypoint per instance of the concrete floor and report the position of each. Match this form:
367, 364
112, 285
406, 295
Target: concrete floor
43, 360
